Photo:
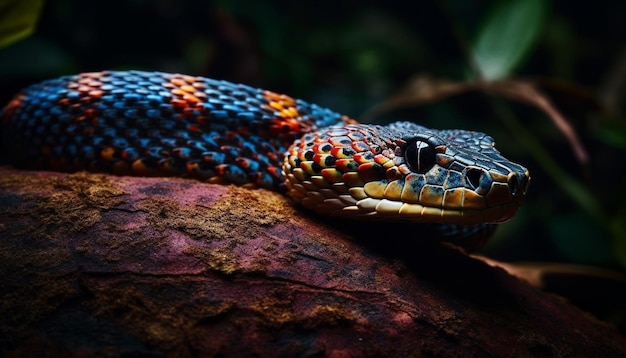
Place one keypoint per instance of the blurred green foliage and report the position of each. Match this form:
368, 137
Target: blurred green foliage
507, 35
18, 19
351, 55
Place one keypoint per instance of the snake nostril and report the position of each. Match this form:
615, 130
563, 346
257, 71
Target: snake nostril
518, 182
514, 183
473, 176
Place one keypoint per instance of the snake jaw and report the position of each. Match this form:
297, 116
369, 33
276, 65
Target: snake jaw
406, 172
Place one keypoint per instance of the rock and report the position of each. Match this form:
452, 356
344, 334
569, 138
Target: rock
102, 265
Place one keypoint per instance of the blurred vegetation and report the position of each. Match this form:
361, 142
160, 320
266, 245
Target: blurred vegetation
357, 56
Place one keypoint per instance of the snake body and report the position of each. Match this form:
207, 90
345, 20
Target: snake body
161, 124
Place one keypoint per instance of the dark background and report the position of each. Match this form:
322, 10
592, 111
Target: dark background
352, 55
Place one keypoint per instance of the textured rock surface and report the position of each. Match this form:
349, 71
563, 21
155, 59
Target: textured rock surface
114, 265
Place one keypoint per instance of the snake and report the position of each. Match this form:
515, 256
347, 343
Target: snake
143, 123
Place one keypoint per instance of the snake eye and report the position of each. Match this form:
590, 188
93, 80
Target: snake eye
420, 156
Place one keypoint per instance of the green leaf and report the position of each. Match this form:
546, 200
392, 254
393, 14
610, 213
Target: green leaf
507, 36
18, 19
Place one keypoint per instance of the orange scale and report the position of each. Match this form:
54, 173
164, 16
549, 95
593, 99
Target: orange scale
287, 101
244, 163
192, 167
444, 160
322, 147
72, 85
369, 172
289, 113
188, 88
404, 169
221, 169
191, 99
89, 75
346, 165
178, 103
363, 158
276, 106
126, 155
188, 111
189, 79
380, 159
272, 156
177, 82
360, 146
400, 142
178, 92
340, 153
107, 154
270, 96
275, 172
194, 128
324, 160
95, 93
90, 112
292, 124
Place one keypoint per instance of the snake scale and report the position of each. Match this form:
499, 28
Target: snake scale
162, 124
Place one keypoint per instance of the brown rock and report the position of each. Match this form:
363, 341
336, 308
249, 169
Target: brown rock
95, 264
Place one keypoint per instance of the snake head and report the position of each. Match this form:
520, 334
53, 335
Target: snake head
404, 171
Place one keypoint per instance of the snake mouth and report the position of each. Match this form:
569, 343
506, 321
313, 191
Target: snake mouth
383, 208
346, 206
486, 197
356, 203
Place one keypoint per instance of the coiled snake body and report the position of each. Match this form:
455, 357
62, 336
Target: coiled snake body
160, 124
